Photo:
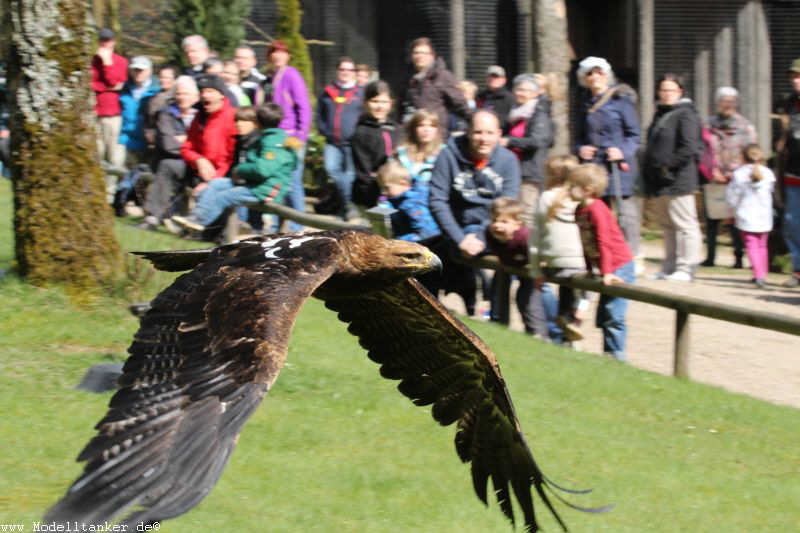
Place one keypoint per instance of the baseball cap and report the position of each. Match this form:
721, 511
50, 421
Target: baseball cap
496, 70
795, 66
141, 62
106, 34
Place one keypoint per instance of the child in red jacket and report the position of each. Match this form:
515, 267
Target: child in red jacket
604, 248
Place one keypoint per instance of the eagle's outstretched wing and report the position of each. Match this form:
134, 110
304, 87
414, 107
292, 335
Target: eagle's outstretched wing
441, 362
204, 356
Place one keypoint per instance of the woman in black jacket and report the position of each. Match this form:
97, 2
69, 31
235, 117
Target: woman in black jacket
670, 174
373, 142
531, 134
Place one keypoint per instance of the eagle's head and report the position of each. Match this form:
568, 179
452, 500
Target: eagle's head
373, 261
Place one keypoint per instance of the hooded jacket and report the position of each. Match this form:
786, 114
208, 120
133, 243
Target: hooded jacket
536, 142
435, 90
751, 200
212, 136
338, 111
673, 150
612, 124
134, 112
461, 193
268, 166
370, 151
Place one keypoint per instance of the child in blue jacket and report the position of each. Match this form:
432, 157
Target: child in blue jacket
413, 220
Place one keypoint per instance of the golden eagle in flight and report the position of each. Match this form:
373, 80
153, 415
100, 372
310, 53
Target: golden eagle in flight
214, 341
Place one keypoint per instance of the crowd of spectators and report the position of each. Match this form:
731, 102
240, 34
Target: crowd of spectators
467, 170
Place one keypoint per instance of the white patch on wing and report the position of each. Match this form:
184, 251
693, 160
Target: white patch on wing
270, 254
294, 243
272, 242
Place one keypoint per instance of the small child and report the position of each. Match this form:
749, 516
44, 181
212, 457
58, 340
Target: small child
749, 193
604, 247
555, 242
264, 176
507, 237
413, 220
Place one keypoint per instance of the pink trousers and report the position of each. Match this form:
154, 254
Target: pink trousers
756, 246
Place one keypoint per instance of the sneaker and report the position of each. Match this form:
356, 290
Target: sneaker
680, 275
572, 332
150, 223
793, 281
707, 263
189, 222
658, 276
761, 283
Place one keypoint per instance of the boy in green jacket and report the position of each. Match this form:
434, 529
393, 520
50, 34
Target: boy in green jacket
264, 175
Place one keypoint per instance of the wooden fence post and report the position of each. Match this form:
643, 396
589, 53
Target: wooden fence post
681, 368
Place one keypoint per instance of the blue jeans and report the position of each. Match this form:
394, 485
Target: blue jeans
338, 161
296, 199
611, 316
791, 224
217, 197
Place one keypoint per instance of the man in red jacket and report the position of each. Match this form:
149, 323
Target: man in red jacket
109, 72
207, 151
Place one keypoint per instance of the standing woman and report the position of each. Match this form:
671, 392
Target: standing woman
285, 86
423, 144
670, 175
608, 134
373, 142
530, 137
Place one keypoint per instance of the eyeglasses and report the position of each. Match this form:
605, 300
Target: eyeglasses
347, 70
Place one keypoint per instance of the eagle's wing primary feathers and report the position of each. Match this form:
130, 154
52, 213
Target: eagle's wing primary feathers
439, 361
205, 354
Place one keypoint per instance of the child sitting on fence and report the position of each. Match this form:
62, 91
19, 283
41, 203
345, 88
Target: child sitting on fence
507, 238
264, 176
604, 248
555, 243
749, 193
413, 220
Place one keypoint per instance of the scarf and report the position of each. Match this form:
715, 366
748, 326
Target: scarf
523, 112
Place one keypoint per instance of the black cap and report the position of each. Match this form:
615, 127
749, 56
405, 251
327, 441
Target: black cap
210, 81
105, 34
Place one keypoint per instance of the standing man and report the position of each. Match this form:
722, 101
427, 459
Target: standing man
496, 96
467, 177
790, 177
432, 86
338, 110
134, 99
195, 47
250, 79
109, 72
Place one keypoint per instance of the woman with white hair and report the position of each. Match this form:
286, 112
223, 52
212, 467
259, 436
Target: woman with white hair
609, 135
727, 134
530, 136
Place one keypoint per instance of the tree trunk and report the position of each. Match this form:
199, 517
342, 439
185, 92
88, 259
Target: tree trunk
63, 226
553, 59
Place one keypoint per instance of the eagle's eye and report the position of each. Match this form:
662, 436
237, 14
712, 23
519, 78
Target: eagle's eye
414, 257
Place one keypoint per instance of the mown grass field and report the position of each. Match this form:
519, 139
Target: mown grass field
336, 448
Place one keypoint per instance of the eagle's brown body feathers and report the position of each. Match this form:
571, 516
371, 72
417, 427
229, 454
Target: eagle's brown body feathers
214, 342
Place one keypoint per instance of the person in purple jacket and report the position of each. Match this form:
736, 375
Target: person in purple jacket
285, 86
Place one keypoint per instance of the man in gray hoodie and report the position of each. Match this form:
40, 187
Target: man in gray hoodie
468, 175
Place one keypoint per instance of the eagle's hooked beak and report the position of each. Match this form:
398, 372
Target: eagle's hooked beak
433, 261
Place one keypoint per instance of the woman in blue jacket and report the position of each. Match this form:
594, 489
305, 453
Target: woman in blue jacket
609, 135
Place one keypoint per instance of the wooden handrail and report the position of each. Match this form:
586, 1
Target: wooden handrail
684, 306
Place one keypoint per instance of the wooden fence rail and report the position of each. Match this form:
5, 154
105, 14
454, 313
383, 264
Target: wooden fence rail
684, 306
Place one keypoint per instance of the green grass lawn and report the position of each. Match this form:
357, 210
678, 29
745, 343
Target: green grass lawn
336, 448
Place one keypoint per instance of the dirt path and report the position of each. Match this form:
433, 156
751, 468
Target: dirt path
744, 359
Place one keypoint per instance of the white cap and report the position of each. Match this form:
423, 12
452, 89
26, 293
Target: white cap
592, 62
141, 63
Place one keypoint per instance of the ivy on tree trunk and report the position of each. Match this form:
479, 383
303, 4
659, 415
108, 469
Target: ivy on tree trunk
63, 226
